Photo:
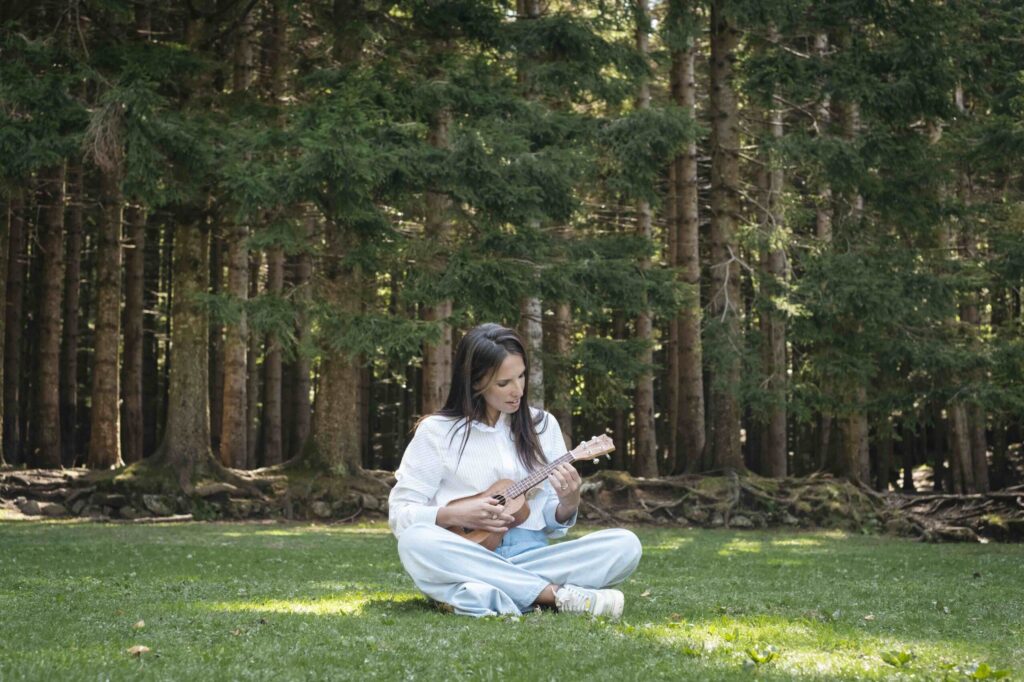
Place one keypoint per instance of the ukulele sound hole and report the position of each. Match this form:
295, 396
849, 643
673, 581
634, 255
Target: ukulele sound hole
500, 499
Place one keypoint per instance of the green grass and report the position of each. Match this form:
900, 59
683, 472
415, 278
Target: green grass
258, 601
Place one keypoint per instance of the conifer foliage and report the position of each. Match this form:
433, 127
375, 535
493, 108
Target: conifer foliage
771, 236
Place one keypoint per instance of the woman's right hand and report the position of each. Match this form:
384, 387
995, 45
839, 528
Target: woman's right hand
475, 512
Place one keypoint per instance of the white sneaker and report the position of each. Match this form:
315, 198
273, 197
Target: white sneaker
573, 599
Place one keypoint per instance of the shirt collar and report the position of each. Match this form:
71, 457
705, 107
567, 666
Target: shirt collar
501, 425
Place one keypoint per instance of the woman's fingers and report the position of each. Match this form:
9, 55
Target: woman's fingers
493, 516
565, 479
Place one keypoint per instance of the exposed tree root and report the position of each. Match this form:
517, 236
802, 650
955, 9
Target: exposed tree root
609, 497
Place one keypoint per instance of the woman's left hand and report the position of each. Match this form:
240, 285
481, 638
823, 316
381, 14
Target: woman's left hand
566, 482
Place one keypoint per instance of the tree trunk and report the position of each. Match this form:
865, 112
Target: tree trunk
823, 230
855, 459
437, 357
531, 315
366, 420
135, 272
961, 461
13, 325
689, 423
167, 274
561, 383
336, 417
854, 455
531, 309
5, 231
725, 275
232, 447
186, 446
907, 453
234, 427
47, 392
28, 372
216, 374
252, 388
273, 443
302, 409
772, 321
823, 205
105, 426
72, 300
272, 439
337, 414
620, 420
152, 387
645, 462
976, 417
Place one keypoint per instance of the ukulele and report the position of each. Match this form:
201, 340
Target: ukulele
512, 495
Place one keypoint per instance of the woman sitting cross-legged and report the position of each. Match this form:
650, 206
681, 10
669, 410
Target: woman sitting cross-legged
487, 432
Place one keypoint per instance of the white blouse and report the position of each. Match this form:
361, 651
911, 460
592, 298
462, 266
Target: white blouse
431, 473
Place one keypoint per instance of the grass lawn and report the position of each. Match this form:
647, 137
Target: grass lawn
275, 601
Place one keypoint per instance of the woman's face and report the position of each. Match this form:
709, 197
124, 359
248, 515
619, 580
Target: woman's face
504, 389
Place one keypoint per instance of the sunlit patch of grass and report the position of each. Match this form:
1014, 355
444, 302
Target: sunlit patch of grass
669, 543
798, 541
347, 604
738, 545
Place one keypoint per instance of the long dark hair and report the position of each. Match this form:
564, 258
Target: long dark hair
479, 354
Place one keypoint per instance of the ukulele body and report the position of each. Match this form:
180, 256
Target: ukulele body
516, 506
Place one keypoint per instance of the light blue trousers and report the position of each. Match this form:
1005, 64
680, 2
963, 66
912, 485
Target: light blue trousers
479, 582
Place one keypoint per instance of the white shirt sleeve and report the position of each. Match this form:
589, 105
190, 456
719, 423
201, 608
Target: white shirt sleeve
413, 499
554, 447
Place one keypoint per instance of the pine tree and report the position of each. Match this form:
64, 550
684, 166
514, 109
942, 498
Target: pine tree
70, 317
685, 366
645, 462
46, 419
105, 436
724, 252
131, 384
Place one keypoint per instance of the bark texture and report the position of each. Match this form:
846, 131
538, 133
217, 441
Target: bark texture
234, 428
13, 324
72, 301
531, 316
273, 444
337, 422
5, 231
437, 357
645, 461
772, 321
105, 427
186, 446
854, 459
725, 268
561, 388
252, 388
302, 412
135, 272
46, 420
688, 426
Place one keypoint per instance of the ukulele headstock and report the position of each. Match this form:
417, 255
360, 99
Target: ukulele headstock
593, 448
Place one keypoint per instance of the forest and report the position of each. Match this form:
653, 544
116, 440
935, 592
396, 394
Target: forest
775, 237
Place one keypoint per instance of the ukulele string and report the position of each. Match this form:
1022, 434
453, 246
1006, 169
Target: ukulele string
536, 477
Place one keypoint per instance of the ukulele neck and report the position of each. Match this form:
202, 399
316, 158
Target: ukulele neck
537, 477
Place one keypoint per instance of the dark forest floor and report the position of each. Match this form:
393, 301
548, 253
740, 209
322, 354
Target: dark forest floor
731, 501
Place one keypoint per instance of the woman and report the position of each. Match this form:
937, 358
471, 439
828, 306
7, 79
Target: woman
487, 432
